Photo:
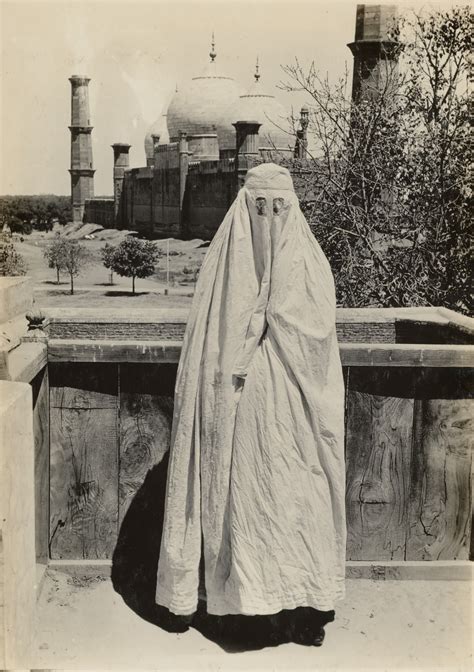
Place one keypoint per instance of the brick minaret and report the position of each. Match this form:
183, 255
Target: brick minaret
82, 172
301, 145
247, 153
121, 163
375, 52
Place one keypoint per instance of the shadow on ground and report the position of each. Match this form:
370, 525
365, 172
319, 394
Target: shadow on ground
134, 570
119, 292
62, 292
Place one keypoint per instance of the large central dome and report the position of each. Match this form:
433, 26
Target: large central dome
205, 105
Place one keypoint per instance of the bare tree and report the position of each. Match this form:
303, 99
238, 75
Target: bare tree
386, 188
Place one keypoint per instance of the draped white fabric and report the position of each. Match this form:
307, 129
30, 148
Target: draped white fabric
256, 477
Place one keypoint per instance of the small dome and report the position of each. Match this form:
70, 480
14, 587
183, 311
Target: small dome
206, 105
158, 127
257, 105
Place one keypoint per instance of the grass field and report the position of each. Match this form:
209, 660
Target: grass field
92, 288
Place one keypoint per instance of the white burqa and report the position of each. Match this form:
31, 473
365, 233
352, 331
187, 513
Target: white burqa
256, 476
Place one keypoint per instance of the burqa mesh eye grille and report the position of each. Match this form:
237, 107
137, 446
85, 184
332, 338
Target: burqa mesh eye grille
261, 205
278, 204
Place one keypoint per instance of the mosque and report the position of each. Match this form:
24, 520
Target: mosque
199, 151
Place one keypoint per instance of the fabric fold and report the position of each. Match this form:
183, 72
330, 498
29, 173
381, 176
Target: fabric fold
256, 479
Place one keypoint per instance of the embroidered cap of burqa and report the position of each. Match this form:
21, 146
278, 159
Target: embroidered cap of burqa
256, 476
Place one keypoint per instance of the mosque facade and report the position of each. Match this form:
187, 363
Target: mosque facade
196, 155
199, 151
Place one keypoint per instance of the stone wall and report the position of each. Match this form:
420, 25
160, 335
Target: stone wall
165, 213
100, 211
150, 201
117, 330
17, 524
353, 325
150, 197
210, 190
16, 297
141, 219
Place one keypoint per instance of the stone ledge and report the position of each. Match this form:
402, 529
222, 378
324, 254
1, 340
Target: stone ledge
352, 354
25, 361
11, 335
76, 350
114, 316
398, 354
389, 570
416, 570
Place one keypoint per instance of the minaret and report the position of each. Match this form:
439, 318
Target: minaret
156, 145
121, 163
212, 53
301, 145
246, 133
374, 49
82, 172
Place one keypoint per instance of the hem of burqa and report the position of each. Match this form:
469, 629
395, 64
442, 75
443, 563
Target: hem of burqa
134, 574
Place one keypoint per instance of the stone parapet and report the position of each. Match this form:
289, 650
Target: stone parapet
16, 297
353, 325
19, 360
144, 325
17, 526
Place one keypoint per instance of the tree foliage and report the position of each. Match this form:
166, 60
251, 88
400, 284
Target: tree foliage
67, 256
23, 214
135, 258
76, 258
387, 191
107, 254
11, 261
53, 255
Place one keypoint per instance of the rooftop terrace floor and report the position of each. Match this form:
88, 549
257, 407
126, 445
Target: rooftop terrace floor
381, 625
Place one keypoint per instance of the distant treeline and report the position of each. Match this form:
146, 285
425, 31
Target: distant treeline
24, 214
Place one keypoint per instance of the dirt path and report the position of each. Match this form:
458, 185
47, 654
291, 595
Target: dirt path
92, 287
381, 625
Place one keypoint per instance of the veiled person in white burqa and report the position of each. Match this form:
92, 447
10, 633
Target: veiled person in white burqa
254, 511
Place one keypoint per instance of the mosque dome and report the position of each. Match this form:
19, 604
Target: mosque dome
158, 127
206, 105
258, 105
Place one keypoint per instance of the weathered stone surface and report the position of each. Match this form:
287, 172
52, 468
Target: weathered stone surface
16, 297
82, 171
17, 523
84, 231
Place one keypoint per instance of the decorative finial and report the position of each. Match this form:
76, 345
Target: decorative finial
212, 53
257, 73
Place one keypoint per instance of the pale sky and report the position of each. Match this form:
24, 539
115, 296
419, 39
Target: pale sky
135, 53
